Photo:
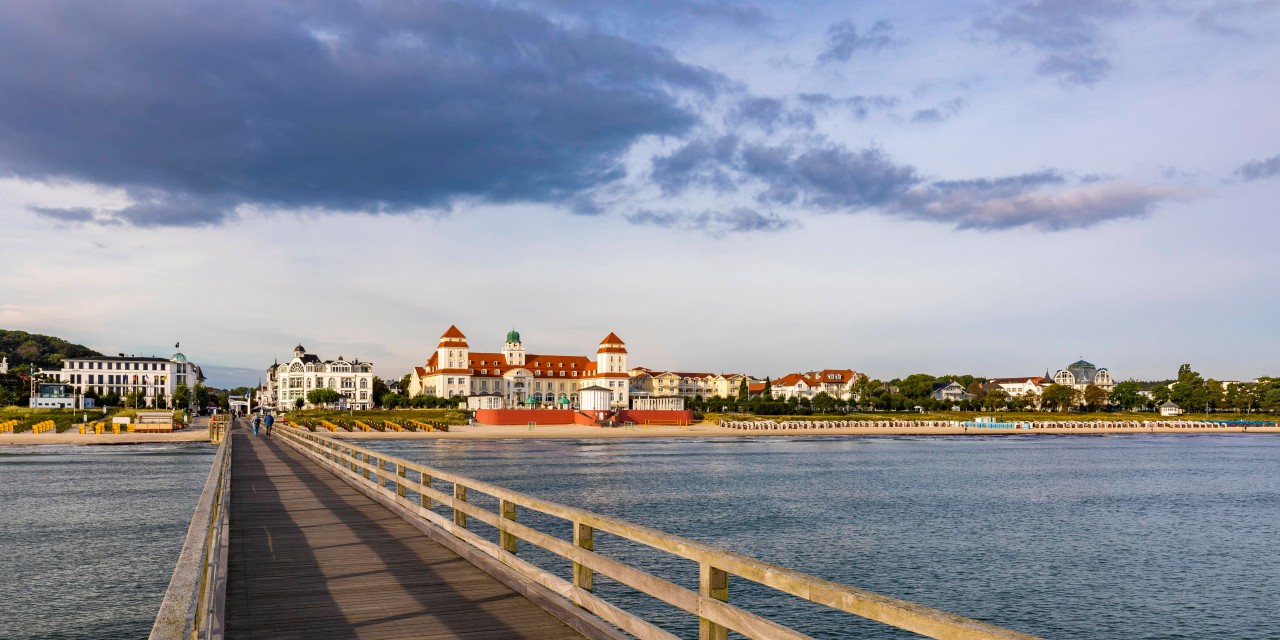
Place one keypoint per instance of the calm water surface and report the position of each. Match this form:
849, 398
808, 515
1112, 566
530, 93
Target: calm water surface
1064, 537
89, 535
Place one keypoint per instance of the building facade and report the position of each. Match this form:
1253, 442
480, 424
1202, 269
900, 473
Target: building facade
1080, 374
837, 383
684, 384
103, 375
287, 382
521, 378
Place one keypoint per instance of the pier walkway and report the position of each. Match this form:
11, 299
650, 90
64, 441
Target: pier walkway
305, 535
312, 557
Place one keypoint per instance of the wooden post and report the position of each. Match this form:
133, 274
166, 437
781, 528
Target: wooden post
400, 490
713, 583
584, 536
459, 494
507, 510
366, 466
423, 498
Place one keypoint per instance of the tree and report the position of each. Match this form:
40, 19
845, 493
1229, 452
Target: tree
1271, 401
995, 399
380, 389
1126, 395
1095, 397
135, 398
323, 396
744, 392
404, 384
202, 396
1059, 397
180, 395
767, 394
297, 404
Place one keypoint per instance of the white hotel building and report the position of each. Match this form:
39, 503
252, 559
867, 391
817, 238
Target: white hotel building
123, 374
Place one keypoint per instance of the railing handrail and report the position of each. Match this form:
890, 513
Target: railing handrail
192, 604
715, 562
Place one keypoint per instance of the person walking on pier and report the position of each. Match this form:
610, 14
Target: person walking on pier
267, 421
257, 420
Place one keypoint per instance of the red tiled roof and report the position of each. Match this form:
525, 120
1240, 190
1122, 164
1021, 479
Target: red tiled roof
611, 350
452, 332
1034, 379
612, 338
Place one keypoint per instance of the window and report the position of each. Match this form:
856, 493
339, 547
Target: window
364, 383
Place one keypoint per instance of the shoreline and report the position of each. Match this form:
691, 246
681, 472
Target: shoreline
570, 432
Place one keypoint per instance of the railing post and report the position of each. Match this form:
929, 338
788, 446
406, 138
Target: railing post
366, 466
507, 510
400, 491
459, 494
712, 583
584, 536
423, 498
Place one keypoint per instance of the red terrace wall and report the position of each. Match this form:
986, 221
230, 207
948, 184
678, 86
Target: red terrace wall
524, 416
639, 417
565, 416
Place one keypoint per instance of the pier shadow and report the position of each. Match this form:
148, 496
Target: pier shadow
313, 557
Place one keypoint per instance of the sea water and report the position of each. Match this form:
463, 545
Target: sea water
89, 535
1084, 537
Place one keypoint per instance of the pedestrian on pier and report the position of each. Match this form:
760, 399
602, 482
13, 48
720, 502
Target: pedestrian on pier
257, 420
267, 421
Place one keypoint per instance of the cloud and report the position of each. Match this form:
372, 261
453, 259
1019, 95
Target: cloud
1069, 34
69, 214
843, 40
940, 113
1020, 201
714, 223
820, 176
858, 106
1231, 18
1259, 169
372, 107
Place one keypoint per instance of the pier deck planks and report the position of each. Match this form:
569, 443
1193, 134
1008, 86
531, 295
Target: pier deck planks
311, 557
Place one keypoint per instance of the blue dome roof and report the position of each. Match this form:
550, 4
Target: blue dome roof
178, 357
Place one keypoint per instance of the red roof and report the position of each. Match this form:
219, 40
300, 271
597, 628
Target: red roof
612, 338
453, 332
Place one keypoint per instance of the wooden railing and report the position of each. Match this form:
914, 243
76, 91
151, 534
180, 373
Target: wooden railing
194, 604
372, 470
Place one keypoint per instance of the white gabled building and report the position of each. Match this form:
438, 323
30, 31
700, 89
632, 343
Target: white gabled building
837, 383
287, 382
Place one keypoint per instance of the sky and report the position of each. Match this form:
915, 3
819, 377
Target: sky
995, 188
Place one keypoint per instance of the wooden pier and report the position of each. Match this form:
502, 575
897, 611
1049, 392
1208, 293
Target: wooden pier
304, 535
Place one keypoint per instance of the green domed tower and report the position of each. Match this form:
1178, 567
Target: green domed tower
513, 351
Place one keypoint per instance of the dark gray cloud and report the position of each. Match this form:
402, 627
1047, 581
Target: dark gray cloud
843, 40
858, 106
644, 18
1069, 34
69, 214
821, 176
771, 114
1259, 169
195, 108
702, 162
715, 223
940, 113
